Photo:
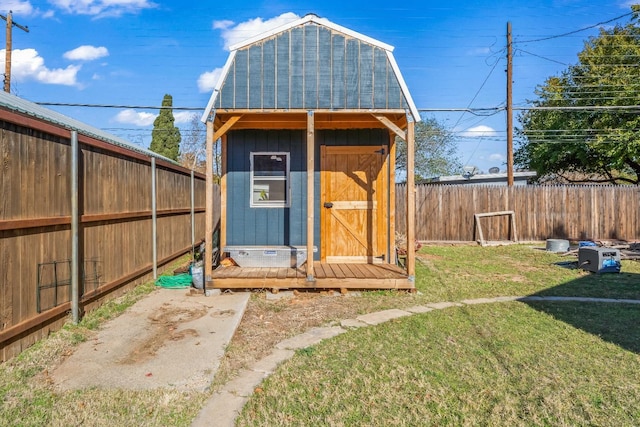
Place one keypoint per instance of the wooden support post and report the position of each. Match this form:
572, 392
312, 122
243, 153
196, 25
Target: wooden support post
311, 143
208, 237
411, 200
223, 194
392, 198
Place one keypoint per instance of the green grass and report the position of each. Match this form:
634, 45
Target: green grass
507, 364
453, 273
539, 363
500, 364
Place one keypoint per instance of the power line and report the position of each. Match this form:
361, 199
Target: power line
131, 107
577, 31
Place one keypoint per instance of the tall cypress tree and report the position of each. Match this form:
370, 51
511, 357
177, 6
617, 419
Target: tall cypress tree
165, 137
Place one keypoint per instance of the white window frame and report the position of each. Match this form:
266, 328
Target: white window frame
287, 181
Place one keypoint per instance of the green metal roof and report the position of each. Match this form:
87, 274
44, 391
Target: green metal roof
311, 63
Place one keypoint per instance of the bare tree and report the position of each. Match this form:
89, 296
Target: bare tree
193, 148
193, 153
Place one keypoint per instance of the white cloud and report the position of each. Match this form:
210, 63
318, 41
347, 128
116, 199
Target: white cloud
207, 81
480, 51
141, 118
133, 117
18, 7
86, 53
182, 117
222, 25
103, 8
478, 132
232, 34
27, 64
497, 157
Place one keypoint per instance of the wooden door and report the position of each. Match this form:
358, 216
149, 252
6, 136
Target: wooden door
353, 204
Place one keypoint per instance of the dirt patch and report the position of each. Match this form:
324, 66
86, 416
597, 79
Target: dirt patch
267, 322
165, 323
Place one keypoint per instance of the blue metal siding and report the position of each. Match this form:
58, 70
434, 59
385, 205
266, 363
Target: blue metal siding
280, 226
296, 88
395, 94
255, 77
324, 67
352, 73
283, 70
366, 76
380, 79
265, 226
269, 74
311, 67
338, 99
242, 80
227, 89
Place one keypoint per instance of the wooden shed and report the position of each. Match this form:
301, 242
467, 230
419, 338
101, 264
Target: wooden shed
307, 115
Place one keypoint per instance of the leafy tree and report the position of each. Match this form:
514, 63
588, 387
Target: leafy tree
165, 136
435, 151
570, 140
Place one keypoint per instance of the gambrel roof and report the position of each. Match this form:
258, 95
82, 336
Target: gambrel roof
311, 64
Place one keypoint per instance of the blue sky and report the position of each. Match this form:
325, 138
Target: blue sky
451, 54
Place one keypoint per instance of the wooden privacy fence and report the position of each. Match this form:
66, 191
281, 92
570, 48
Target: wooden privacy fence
115, 223
446, 212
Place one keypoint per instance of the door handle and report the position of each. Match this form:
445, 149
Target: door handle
328, 205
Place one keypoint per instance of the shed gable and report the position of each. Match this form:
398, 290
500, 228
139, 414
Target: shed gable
311, 66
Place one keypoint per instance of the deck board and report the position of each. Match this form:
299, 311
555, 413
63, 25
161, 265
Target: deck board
327, 276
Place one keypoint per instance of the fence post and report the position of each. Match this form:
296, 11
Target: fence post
75, 262
154, 219
193, 219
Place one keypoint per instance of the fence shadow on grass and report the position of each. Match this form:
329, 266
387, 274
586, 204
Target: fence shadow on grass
615, 322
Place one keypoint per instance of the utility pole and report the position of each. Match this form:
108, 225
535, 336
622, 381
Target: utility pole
7, 62
509, 107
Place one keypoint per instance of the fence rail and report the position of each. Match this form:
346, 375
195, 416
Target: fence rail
115, 223
445, 212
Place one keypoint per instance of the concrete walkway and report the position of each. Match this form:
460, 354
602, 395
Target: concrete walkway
172, 338
224, 406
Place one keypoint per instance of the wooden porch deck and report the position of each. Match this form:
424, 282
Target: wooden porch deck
327, 276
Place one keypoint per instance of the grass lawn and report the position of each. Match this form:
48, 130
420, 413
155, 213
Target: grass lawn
507, 363
539, 363
502, 364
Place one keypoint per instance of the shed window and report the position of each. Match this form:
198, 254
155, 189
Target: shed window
269, 179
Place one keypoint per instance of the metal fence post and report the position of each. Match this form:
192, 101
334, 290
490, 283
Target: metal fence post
154, 219
75, 262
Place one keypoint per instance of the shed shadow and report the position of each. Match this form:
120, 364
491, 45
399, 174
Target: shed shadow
607, 306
